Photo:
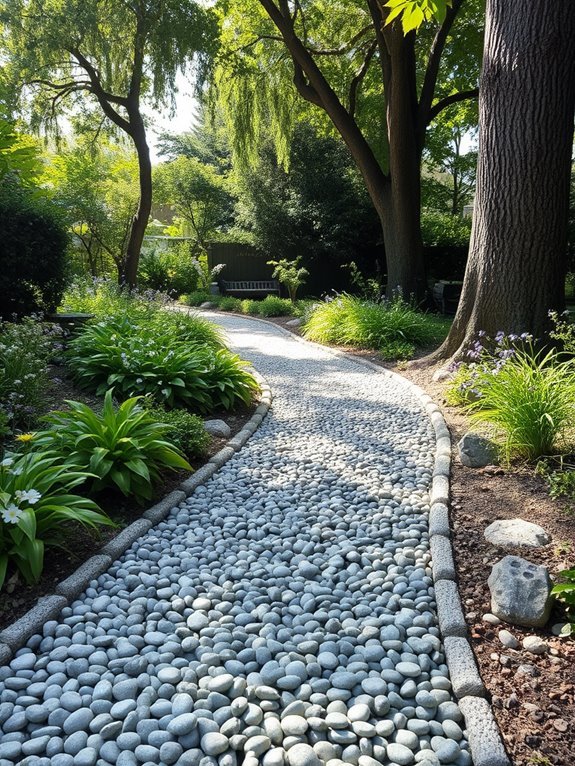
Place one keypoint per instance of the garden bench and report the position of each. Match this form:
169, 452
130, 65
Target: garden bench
266, 286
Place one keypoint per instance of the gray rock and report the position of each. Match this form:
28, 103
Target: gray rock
218, 428
302, 755
535, 645
520, 592
214, 743
297, 322
512, 533
400, 754
508, 639
476, 451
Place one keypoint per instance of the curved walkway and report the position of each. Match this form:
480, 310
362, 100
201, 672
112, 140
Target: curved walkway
283, 614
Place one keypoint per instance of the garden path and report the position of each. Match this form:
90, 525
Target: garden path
282, 614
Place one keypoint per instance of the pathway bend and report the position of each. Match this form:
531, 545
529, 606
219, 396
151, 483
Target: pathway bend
283, 614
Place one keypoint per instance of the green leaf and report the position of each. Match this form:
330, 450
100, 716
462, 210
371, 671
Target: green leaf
27, 523
3, 568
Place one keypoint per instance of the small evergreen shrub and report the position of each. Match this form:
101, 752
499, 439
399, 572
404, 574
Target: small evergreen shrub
196, 298
168, 271
251, 307
273, 306
186, 431
32, 252
229, 303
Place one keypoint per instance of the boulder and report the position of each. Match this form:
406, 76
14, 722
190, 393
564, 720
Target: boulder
520, 592
511, 533
297, 322
208, 305
476, 451
218, 428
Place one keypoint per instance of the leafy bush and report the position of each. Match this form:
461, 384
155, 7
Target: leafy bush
175, 359
528, 398
186, 431
121, 448
564, 331
33, 252
250, 306
444, 229
25, 348
35, 500
229, 303
196, 298
104, 297
273, 306
290, 274
349, 321
565, 592
169, 271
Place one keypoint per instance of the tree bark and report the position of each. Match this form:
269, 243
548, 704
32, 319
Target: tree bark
517, 261
129, 274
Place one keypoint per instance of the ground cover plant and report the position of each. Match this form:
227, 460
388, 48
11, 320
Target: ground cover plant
25, 350
392, 327
185, 430
35, 499
526, 397
123, 447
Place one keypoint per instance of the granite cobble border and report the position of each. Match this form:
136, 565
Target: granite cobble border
485, 742
14, 636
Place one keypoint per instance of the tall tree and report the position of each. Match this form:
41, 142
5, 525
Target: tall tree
517, 261
115, 53
379, 88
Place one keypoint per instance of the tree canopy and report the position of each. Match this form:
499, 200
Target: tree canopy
109, 56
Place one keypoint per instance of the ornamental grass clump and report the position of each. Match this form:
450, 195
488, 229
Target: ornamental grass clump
389, 326
526, 397
35, 500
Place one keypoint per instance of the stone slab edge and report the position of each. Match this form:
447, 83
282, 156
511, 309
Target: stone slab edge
14, 636
484, 735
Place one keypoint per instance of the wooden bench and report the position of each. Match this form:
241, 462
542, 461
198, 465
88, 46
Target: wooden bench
266, 286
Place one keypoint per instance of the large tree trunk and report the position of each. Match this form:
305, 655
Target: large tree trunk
129, 273
516, 268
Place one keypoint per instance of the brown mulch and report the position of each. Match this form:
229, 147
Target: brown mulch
80, 544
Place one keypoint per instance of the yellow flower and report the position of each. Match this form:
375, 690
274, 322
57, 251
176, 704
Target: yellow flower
25, 438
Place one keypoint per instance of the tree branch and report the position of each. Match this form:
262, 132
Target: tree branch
432, 69
105, 99
359, 77
463, 95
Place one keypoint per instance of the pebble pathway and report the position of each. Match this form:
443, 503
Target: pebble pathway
283, 615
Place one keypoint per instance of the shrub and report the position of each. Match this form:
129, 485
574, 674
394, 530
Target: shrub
290, 274
169, 271
196, 298
350, 321
33, 252
35, 500
251, 307
528, 398
186, 431
273, 306
104, 297
25, 348
175, 359
121, 448
229, 303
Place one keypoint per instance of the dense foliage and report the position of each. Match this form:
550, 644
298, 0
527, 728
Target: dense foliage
32, 254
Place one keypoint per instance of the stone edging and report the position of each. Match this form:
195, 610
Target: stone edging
485, 741
48, 607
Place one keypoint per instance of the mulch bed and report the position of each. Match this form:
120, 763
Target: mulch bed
80, 544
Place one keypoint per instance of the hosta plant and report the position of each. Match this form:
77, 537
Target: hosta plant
124, 447
35, 499
169, 366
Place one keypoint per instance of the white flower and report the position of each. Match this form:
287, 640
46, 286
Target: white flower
139, 380
31, 495
7, 462
12, 514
